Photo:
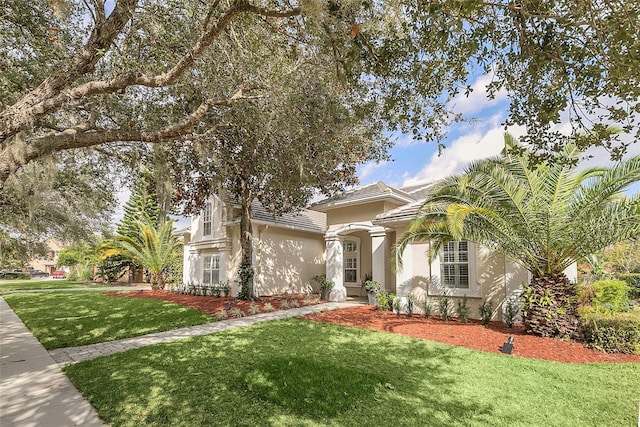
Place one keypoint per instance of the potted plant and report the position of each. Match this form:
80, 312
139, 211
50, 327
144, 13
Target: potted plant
372, 287
325, 286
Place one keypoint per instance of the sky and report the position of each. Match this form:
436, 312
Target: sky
480, 136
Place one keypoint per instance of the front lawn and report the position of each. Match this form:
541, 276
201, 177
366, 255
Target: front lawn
70, 319
15, 285
303, 373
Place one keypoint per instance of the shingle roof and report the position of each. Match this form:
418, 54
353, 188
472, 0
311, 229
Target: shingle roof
406, 212
304, 220
376, 191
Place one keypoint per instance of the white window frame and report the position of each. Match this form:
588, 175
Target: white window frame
210, 268
207, 219
437, 285
455, 259
351, 256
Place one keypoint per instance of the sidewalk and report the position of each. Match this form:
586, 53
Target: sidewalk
33, 389
35, 392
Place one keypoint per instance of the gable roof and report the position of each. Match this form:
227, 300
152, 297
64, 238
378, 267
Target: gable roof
378, 191
406, 212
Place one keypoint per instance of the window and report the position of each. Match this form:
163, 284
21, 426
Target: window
454, 265
207, 219
211, 270
350, 264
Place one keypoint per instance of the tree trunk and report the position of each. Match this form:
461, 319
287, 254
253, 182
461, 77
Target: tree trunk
246, 241
157, 281
550, 306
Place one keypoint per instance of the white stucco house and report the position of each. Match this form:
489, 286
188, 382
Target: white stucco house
346, 238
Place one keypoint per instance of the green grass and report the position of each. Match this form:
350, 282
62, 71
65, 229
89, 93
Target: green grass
15, 285
70, 319
302, 373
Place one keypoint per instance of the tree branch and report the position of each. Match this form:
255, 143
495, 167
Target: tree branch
49, 96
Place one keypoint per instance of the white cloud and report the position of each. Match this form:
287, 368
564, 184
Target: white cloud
478, 99
484, 140
405, 140
369, 168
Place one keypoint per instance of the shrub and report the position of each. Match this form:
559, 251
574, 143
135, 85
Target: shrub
463, 310
610, 296
253, 309
373, 286
510, 313
410, 304
443, 304
633, 280
385, 300
486, 311
236, 312
611, 332
396, 305
426, 307
221, 315
268, 307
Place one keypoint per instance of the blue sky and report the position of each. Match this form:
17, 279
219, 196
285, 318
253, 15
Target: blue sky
413, 162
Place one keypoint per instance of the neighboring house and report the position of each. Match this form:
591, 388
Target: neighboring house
349, 237
48, 262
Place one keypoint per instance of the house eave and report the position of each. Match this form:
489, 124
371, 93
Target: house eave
335, 204
278, 225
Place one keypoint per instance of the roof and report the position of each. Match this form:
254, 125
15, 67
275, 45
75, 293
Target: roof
378, 191
306, 220
399, 214
409, 211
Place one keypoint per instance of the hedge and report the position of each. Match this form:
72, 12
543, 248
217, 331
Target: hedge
612, 333
633, 280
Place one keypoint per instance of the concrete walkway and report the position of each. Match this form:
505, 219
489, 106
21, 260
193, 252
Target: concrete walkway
33, 389
66, 356
35, 392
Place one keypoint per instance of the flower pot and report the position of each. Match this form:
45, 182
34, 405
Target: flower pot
372, 299
324, 294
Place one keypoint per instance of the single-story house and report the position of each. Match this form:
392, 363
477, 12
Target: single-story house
347, 238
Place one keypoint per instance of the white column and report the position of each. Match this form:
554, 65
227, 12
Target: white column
186, 264
378, 258
254, 258
334, 267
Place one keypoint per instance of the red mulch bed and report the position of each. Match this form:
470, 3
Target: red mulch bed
472, 335
212, 305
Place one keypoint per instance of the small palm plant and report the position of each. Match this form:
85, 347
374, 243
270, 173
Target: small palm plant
544, 217
154, 248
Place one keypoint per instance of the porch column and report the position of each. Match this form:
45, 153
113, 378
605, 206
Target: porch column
186, 264
378, 256
404, 272
334, 267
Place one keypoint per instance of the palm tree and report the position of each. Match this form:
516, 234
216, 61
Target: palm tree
544, 217
154, 248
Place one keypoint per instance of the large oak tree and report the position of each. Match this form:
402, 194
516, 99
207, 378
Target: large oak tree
87, 73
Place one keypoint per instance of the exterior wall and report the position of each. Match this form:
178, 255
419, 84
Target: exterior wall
493, 278
357, 213
48, 262
287, 260
217, 227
